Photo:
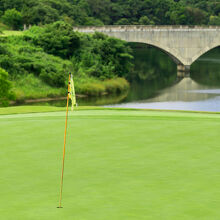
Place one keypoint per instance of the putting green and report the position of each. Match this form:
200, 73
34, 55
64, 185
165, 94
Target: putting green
120, 165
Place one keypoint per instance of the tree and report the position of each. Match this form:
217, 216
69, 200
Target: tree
58, 39
123, 21
214, 20
91, 21
103, 57
12, 18
100, 9
42, 14
144, 20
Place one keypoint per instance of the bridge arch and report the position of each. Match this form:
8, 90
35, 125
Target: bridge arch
203, 51
171, 56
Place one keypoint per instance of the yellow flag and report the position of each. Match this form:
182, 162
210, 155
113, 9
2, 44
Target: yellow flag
72, 94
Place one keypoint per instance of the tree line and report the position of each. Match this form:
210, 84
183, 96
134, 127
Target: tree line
17, 13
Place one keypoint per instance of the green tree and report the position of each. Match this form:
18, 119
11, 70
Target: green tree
58, 39
103, 57
100, 9
91, 21
214, 20
144, 20
12, 18
123, 21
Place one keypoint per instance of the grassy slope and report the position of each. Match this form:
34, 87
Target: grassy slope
120, 165
31, 87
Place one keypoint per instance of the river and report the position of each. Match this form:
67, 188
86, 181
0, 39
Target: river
155, 85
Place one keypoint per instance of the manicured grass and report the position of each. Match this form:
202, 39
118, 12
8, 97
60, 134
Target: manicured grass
41, 109
120, 165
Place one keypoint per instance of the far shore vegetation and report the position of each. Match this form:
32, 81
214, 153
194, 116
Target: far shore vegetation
37, 62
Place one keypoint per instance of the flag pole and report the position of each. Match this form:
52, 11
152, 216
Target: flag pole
64, 147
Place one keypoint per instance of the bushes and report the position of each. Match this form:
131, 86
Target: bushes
98, 62
96, 55
5, 88
103, 57
12, 18
93, 89
57, 39
117, 85
19, 57
98, 88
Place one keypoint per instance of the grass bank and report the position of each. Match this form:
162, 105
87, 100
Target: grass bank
28, 87
98, 88
120, 164
31, 87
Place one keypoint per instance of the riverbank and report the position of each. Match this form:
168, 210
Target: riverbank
28, 89
125, 162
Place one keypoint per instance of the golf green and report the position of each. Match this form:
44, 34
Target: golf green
120, 165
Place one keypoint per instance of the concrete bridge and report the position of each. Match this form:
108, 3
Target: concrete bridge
184, 44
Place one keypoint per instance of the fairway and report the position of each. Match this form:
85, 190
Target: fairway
120, 165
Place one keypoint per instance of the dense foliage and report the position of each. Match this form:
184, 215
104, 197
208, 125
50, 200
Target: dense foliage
19, 57
102, 57
48, 53
57, 39
99, 12
5, 87
94, 55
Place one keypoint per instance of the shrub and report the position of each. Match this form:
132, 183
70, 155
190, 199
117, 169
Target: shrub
5, 88
92, 89
116, 85
19, 57
103, 57
58, 39
98, 88
12, 18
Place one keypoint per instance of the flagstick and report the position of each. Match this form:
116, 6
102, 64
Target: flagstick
64, 147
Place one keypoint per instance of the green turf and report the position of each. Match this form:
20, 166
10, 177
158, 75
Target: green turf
40, 109
120, 165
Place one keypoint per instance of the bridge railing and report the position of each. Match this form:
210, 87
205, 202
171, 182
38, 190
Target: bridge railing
146, 27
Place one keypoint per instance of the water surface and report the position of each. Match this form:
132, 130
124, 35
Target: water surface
156, 86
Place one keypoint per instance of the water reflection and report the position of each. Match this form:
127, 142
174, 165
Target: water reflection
206, 70
200, 92
186, 95
154, 71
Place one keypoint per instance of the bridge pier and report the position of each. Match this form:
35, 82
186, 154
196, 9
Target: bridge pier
183, 68
183, 71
